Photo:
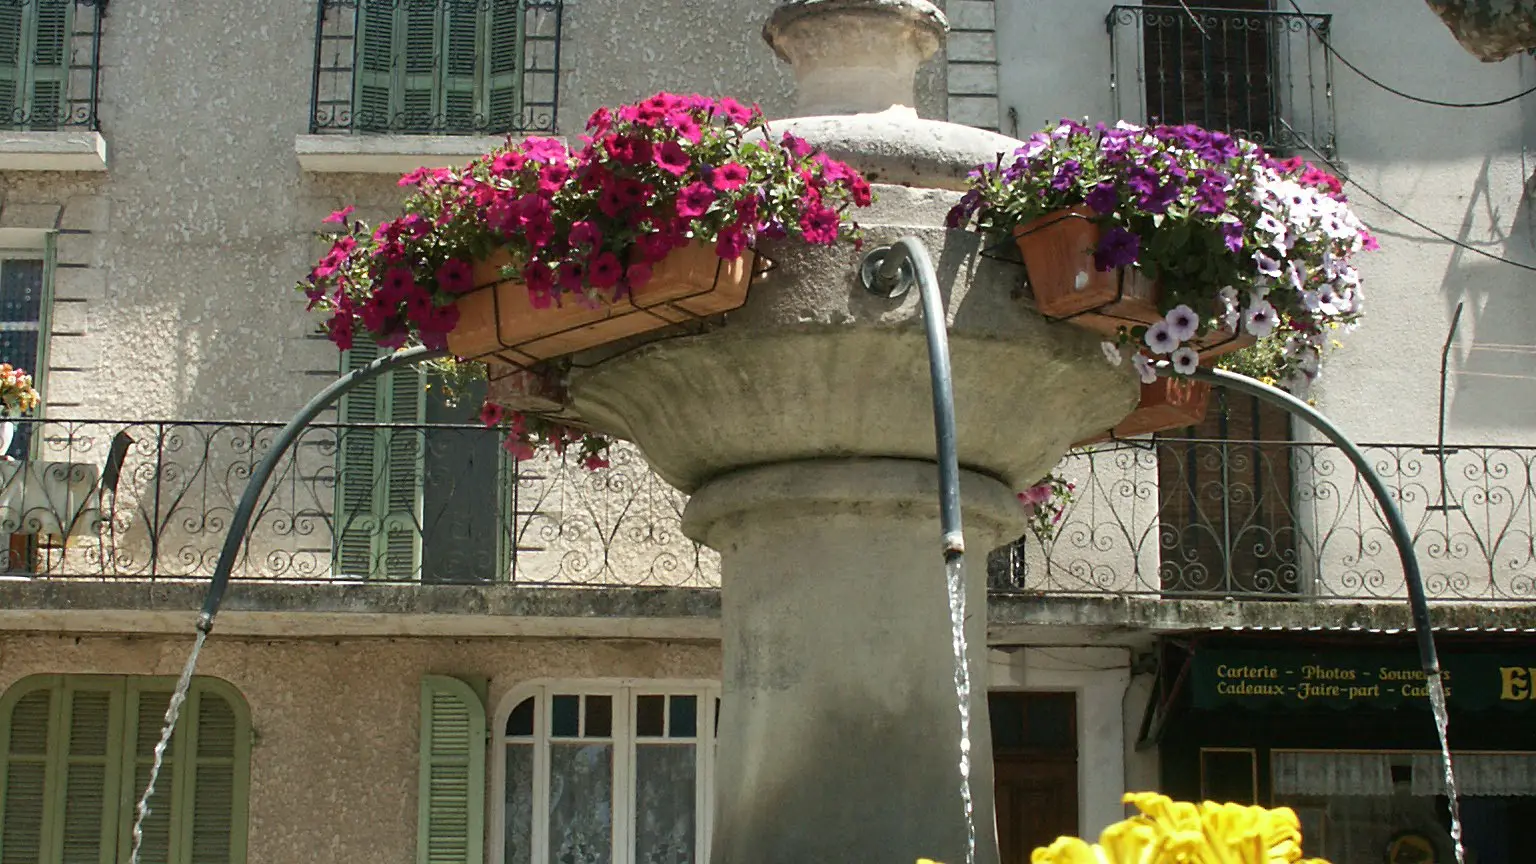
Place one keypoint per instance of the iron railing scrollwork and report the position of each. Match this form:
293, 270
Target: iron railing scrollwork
1283, 520
441, 503
436, 67
50, 77
350, 503
1263, 75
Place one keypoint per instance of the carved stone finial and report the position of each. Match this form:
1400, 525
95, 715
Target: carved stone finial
855, 56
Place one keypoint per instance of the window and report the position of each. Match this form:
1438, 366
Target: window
420, 483
1225, 487
438, 65
1209, 63
35, 38
605, 774
1253, 68
75, 752
23, 313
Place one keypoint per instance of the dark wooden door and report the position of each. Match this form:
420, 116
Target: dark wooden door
1036, 803
1034, 747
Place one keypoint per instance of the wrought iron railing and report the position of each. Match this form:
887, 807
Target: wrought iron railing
436, 67
1267, 76
1282, 520
357, 502
50, 59
443, 504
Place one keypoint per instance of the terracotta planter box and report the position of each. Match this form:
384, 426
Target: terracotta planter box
497, 320
1058, 249
1167, 403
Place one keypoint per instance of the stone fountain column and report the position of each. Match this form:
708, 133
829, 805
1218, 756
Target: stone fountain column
803, 428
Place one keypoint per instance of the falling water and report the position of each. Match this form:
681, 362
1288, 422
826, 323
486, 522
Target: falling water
172, 711
954, 577
1443, 727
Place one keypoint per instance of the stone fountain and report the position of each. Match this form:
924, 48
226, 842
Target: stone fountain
803, 429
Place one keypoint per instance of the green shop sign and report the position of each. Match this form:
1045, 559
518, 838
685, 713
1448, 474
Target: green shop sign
1332, 679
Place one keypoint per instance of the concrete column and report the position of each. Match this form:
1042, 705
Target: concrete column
854, 56
839, 730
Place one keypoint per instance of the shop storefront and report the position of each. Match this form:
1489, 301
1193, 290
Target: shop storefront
1341, 731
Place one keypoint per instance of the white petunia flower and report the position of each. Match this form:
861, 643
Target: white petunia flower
1144, 368
1160, 338
1186, 361
1112, 353
1261, 319
1182, 323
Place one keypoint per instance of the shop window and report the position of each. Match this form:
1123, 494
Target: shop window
1230, 775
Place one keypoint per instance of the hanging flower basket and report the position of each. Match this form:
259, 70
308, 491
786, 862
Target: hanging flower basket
498, 321
535, 251
1178, 243
1166, 403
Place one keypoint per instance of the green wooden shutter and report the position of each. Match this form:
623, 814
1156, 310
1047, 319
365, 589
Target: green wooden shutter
374, 104
503, 70
11, 59
211, 811
25, 735
145, 715
461, 72
418, 42
404, 474
49, 71
93, 708
379, 473
451, 792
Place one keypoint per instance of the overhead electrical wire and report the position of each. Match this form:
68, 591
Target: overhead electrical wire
1393, 90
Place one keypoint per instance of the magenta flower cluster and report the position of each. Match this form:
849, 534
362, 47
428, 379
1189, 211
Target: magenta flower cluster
1236, 238
582, 226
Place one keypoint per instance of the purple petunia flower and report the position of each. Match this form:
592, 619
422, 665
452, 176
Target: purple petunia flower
1102, 198
1117, 248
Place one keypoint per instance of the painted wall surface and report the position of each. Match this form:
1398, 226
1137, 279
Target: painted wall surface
1099, 677
334, 765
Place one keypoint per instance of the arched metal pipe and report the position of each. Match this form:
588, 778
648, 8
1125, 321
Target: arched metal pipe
240, 524
1418, 602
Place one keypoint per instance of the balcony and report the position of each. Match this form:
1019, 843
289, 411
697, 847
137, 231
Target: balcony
1266, 76
378, 504
50, 53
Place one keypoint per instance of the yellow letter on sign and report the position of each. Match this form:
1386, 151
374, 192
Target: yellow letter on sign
1517, 684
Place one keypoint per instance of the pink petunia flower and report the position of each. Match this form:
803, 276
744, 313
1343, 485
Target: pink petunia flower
491, 413
671, 158
340, 216
456, 276
694, 200
731, 243
604, 270
819, 225
585, 234
729, 176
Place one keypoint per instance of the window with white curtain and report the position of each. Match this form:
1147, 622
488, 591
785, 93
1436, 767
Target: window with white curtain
604, 774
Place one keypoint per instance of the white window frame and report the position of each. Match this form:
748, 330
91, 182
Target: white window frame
623, 691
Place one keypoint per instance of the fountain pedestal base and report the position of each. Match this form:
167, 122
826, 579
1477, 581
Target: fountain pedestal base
839, 715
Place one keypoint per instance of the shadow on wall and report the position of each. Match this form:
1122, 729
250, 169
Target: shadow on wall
1493, 364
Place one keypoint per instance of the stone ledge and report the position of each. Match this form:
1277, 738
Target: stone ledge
69, 150
316, 610
271, 609
389, 154
1016, 617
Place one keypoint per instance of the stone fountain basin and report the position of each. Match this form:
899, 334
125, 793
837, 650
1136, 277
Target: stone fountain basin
816, 367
